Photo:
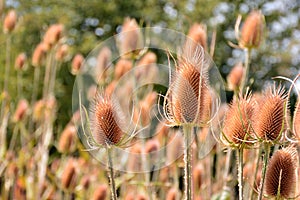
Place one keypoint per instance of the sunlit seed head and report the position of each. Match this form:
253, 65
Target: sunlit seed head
234, 78
69, 175
10, 21
62, 52
39, 55
77, 63
122, 67
21, 110
100, 193
198, 34
20, 61
67, 139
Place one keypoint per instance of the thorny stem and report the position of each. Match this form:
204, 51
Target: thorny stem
266, 157
240, 172
246, 72
187, 132
111, 174
256, 170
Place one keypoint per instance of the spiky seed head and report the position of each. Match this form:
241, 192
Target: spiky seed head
296, 120
252, 30
238, 120
281, 173
77, 63
106, 120
147, 59
270, 119
100, 193
234, 78
10, 21
190, 98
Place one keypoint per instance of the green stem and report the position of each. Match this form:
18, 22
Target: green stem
262, 182
256, 170
246, 72
111, 174
240, 172
35, 88
187, 131
47, 75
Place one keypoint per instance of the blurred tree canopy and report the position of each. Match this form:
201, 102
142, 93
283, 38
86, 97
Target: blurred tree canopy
87, 23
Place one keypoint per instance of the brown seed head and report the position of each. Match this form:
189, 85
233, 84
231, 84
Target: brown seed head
20, 61
189, 95
103, 61
19, 191
134, 162
10, 21
21, 110
198, 34
85, 182
69, 175
270, 120
147, 59
172, 194
122, 67
296, 120
152, 146
106, 120
131, 41
67, 139
62, 52
252, 31
53, 35
39, 55
197, 176
234, 78
281, 173
238, 120
100, 193
77, 63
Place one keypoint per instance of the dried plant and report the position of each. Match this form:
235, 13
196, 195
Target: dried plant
296, 120
10, 21
235, 76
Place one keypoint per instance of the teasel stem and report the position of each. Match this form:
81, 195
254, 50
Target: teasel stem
227, 165
187, 132
47, 74
53, 77
240, 171
256, 170
246, 72
36, 80
265, 163
111, 173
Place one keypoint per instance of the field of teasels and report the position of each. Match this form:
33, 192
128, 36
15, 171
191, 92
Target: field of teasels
250, 142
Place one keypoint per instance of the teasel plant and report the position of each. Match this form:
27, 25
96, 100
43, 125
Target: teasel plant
237, 131
105, 128
188, 103
270, 125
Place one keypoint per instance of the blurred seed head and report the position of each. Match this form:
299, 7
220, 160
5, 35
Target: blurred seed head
235, 76
92, 91
281, 172
162, 132
39, 55
53, 34
77, 63
175, 148
21, 110
131, 39
237, 126
10, 21
103, 61
197, 176
68, 179
134, 161
152, 145
85, 182
100, 193
19, 191
20, 61
147, 59
122, 67
172, 194
270, 120
141, 197
252, 30
62, 52
198, 34
145, 108
296, 120
67, 140
106, 120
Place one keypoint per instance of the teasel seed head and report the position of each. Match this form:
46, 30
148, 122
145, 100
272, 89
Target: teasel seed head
20, 61
147, 59
152, 145
39, 55
19, 191
53, 34
252, 30
122, 67
85, 182
189, 98
198, 34
69, 175
106, 120
197, 176
131, 39
235, 76
172, 194
67, 139
77, 63
270, 119
281, 173
21, 110
62, 52
10, 21
237, 126
103, 62
296, 120
100, 193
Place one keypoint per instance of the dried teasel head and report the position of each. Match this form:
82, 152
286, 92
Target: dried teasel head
106, 120
19, 190
252, 30
189, 99
281, 173
21, 110
131, 39
198, 34
77, 63
237, 126
270, 119
62, 52
53, 35
10, 21
172, 194
100, 193
296, 120
147, 59
20, 61
67, 139
103, 62
198, 176
234, 78
39, 55
69, 175
122, 67
152, 145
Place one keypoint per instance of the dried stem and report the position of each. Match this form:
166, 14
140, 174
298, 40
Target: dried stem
187, 132
111, 173
240, 172
256, 170
246, 72
266, 158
